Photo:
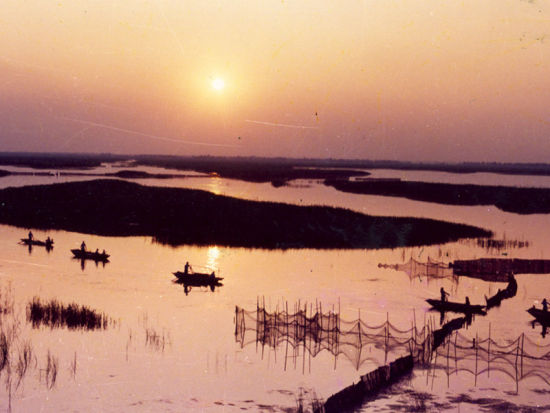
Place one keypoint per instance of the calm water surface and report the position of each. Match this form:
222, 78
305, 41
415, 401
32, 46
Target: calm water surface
196, 364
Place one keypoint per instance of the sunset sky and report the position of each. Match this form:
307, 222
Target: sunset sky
378, 79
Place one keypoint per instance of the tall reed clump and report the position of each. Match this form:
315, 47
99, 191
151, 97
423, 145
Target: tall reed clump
9, 326
73, 316
51, 370
7, 300
25, 359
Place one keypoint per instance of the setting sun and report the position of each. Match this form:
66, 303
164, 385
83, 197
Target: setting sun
218, 83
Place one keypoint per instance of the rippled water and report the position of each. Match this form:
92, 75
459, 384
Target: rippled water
175, 352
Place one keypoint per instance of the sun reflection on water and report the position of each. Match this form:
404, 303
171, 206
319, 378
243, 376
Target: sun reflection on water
212, 257
215, 185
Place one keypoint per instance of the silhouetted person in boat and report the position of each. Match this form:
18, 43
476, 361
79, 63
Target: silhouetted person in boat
97, 251
30, 235
83, 246
187, 268
467, 300
512, 287
103, 253
444, 294
544, 305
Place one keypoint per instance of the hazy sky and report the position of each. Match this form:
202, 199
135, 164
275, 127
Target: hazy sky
377, 79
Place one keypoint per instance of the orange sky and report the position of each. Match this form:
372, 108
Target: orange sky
408, 80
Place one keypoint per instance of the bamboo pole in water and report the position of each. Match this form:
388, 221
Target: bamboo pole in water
489, 352
287, 337
476, 346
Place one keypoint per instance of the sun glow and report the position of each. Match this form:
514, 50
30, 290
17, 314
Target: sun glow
218, 83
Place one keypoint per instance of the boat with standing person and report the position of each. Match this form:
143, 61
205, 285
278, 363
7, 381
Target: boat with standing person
90, 255
456, 307
190, 278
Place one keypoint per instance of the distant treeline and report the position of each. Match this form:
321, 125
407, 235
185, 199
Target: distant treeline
57, 160
244, 165
509, 199
185, 216
278, 171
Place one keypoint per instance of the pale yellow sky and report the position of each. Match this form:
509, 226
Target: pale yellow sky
430, 80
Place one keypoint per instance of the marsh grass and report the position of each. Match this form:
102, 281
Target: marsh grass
154, 340
128, 342
53, 314
7, 300
16, 354
73, 366
4, 351
25, 359
308, 402
51, 370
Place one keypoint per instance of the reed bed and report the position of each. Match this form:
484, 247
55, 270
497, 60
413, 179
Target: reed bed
54, 314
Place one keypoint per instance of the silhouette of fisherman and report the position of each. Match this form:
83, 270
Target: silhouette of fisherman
83, 246
187, 267
512, 287
467, 300
544, 305
30, 235
444, 294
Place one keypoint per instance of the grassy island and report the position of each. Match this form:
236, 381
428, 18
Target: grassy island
186, 216
509, 199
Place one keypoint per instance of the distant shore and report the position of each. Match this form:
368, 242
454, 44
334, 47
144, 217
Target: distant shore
333, 172
257, 169
185, 216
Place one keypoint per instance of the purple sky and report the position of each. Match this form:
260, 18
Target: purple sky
406, 80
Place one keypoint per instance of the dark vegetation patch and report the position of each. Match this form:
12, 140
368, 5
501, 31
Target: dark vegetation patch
136, 174
278, 171
496, 405
509, 199
53, 314
186, 216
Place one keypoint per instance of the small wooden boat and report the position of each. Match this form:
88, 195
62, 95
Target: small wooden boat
89, 255
542, 316
456, 307
198, 279
33, 242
